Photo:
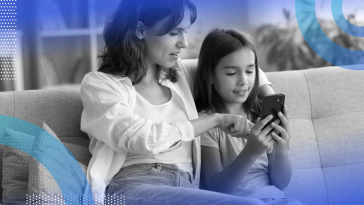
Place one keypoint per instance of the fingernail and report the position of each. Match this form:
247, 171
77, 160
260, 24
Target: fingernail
273, 124
279, 113
270, 116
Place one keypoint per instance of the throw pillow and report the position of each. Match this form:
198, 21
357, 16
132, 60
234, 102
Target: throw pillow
81, 153
15, 167
42, 186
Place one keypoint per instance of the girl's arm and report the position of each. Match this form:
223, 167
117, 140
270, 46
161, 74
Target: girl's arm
280, 170
265, 87
227, 180
224, 180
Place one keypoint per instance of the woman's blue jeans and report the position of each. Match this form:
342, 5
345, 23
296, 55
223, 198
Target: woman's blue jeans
162, 184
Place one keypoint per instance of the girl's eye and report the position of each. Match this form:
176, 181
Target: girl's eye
249, 72
173, 34
230, 74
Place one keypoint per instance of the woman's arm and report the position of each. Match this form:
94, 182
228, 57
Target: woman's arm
265, 90
233, 125
109, 118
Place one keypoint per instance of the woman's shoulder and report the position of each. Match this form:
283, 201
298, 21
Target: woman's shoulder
96, 77
205, 113
186, 66
107, 85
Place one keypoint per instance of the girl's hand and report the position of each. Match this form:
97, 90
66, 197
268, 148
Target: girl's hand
259, 141
282, 144
234, 125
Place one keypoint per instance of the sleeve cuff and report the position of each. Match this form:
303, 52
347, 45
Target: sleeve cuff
186, 130
187, 134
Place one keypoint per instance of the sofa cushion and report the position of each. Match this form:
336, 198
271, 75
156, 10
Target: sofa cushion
7, 109
15, 167
294, 85
42, 185
308, 185
80, 152
60, 108
335, 90
303, 145
345, 184
338, 137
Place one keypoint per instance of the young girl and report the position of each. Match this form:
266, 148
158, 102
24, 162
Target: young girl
228, 83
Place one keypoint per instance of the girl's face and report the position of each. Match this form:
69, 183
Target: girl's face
234, 76
164, 50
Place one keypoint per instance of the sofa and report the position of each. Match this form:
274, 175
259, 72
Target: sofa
326, 115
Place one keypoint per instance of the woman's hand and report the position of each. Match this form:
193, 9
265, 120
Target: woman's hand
282, 144
259, 141
234, 125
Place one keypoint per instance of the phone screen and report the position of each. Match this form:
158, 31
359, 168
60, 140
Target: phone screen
272, 104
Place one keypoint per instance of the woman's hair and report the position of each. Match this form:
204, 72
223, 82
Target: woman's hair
217, 44
125, 54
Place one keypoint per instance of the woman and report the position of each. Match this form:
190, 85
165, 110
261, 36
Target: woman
139, 111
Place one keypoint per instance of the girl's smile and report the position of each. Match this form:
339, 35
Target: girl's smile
241, 92
234, 76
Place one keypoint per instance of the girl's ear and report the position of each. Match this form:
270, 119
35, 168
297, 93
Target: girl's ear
140, 31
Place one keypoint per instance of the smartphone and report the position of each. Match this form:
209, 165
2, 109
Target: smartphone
272, 104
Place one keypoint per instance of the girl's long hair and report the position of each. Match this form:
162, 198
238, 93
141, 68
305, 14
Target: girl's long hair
124, 54
217, 44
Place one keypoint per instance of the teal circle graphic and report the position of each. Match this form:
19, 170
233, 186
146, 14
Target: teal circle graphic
52, 154
317, 39
342, 22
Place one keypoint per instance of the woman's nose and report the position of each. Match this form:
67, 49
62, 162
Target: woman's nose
182, 42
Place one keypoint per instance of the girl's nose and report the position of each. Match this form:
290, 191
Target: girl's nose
242, 80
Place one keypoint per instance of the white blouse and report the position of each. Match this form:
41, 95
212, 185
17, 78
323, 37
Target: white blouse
171, 111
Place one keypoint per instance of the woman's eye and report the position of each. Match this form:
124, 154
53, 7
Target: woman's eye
173, 34
249, 72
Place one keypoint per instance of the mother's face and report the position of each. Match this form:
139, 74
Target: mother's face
164, 50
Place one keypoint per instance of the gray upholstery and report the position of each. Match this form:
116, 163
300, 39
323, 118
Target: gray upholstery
60, 109
326, 112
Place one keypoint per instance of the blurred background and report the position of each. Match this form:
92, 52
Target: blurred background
57, 41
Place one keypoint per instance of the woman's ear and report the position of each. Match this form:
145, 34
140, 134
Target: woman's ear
140, 31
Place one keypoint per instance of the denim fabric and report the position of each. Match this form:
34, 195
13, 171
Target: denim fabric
282, 201
162, 184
